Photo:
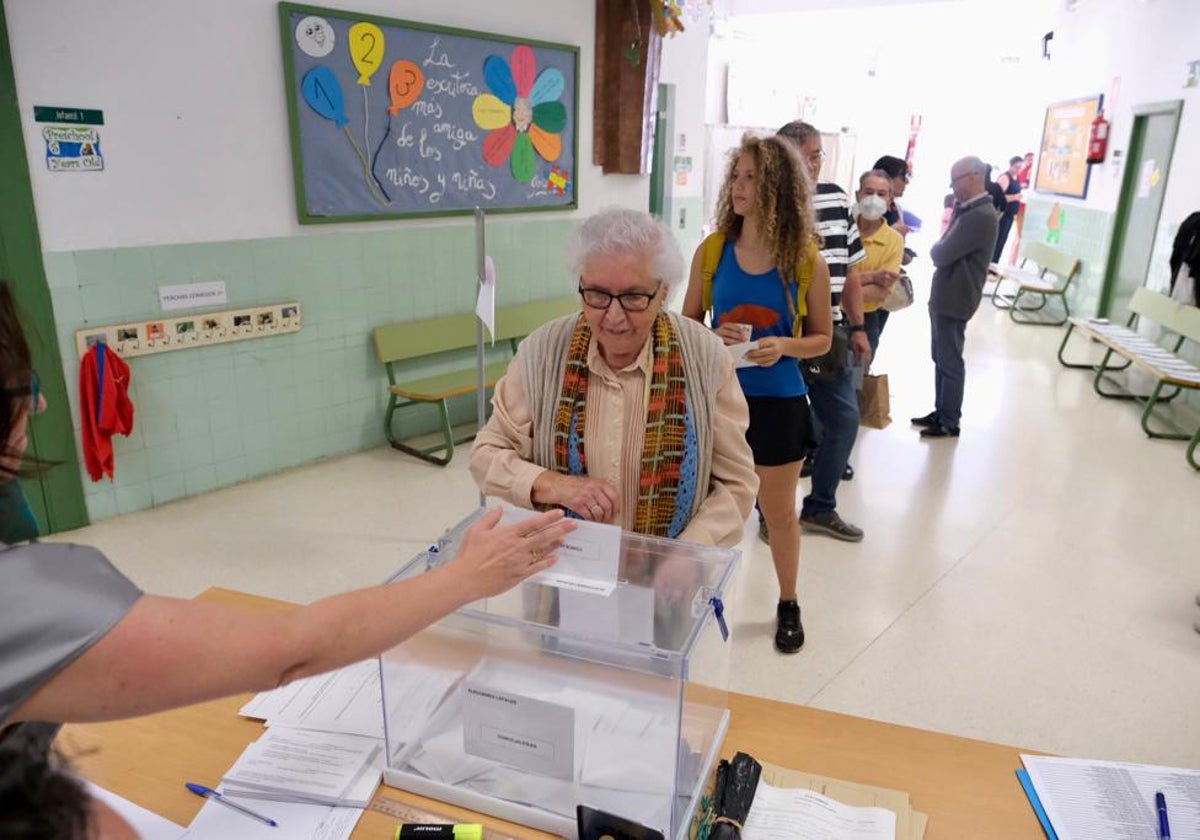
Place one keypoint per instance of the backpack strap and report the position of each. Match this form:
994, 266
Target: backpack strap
713, 245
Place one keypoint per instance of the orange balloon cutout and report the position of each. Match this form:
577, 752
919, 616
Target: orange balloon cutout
405, 85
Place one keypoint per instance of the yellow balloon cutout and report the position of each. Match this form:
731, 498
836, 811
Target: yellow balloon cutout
366, 50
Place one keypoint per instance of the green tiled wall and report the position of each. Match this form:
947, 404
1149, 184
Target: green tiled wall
1085, 233
209, 417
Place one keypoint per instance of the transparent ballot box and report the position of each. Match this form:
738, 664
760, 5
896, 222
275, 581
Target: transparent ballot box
610, 694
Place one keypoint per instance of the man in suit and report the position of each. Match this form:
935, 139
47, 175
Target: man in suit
960, 260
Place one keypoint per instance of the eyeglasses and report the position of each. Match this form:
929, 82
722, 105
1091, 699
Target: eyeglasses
630, 301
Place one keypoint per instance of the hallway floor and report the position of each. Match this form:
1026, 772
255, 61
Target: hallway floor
1030, 583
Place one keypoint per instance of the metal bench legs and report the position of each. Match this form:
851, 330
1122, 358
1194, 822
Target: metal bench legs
1083, 365
1015, 308
428, 453
1153, 401
1191, 450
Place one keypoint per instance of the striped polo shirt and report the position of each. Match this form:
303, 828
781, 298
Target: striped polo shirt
836, 226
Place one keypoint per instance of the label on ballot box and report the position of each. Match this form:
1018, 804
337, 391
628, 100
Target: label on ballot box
519, 731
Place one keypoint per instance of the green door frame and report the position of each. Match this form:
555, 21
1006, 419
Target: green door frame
1137, 137
658, 165
57, 498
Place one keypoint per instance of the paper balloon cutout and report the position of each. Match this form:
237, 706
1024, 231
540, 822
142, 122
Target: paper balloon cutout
405, 85
366, 50
323, 94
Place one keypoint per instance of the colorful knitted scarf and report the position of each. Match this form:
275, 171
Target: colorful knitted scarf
668, 435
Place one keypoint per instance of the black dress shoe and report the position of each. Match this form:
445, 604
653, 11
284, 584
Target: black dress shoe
925, 422
937, 430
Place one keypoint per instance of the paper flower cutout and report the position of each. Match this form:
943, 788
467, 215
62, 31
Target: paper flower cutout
522, 114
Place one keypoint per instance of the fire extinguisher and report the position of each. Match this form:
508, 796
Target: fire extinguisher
1098, 140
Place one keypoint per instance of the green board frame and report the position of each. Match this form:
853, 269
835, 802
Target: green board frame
286, 9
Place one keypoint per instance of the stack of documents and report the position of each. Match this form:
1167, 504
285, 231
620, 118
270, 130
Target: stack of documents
790, 804
1076, 799
347, 700
296, 765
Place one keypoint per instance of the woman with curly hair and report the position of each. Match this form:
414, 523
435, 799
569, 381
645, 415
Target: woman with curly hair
762, 279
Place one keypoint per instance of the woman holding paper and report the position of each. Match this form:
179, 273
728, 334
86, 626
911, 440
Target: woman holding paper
81, 642
770, 274
625, 413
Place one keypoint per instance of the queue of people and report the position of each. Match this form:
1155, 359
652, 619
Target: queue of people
624, 413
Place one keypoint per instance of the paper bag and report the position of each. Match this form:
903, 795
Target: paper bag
874, 403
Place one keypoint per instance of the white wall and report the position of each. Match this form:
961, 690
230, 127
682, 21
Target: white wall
195, 138
1146, 44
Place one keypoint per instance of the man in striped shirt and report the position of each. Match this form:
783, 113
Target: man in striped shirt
834, 400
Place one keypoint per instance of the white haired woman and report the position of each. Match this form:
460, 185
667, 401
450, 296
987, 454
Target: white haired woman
625, 413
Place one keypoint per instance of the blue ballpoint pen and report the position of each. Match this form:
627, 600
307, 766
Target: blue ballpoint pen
209, 793
1164, 828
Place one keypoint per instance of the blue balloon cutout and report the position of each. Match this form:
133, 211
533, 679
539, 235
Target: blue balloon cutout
323, 94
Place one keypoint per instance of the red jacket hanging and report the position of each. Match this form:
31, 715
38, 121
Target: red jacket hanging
105, 406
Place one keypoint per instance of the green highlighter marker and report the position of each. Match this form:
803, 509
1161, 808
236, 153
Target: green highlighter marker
421, 831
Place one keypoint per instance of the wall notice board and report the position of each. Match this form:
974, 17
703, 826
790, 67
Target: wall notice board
1062, 166
393, 119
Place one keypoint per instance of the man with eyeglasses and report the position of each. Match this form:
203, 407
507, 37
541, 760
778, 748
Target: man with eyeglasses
832, 393
625, 413
960, 260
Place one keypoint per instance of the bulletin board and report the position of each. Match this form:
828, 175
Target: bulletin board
394, 119
1062, 166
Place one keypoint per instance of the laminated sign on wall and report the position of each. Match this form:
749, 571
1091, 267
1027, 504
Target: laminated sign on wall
72, 148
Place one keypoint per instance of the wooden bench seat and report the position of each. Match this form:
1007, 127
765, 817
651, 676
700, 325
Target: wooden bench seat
1035, 289
1172, 373
400, 346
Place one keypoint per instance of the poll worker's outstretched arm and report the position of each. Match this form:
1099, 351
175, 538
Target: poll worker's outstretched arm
167, 652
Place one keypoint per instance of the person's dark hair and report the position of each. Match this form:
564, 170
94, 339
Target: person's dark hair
16, 376
39, 798
894, 167
798, 131
1016, 159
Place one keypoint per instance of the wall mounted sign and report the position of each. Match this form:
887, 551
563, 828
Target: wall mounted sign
78, 116
72, 148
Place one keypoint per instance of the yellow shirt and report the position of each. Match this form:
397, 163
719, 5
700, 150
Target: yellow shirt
885, 250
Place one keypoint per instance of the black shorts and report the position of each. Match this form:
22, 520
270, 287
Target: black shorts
780, 428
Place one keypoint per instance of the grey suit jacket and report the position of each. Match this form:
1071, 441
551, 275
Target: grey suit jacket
961, 258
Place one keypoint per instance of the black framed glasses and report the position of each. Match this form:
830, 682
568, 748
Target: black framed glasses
630, 301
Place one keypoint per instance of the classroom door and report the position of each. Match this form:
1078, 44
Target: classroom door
1151, 144
57, 496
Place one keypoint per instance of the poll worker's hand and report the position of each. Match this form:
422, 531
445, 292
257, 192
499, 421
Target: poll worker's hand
769, 351
495, 558
592, 499
860, 347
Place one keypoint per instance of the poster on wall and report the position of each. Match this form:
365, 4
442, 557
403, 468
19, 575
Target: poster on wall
72, 148
393, 119
1062, 165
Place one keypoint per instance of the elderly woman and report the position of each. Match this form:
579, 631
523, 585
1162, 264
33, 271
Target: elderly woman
625, 413
80, 642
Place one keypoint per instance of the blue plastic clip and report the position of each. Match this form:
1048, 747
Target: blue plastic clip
719, 611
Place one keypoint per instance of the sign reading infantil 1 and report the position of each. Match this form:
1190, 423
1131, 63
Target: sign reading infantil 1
393, 119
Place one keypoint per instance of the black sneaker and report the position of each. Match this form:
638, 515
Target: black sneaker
937, 430
925, 422
789, 632
828, 522
848, 473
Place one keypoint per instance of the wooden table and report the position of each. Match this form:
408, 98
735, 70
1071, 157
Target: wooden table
967, 787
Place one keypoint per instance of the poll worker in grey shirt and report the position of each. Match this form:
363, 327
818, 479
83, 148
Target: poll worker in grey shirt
960, 260
80, 642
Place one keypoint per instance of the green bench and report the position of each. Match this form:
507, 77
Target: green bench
1126, 347
407, 341
1055, 271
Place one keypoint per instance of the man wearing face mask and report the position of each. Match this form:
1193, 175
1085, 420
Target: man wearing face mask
884, 248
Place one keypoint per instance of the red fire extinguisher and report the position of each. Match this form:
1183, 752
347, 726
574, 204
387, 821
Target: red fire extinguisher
1098, 140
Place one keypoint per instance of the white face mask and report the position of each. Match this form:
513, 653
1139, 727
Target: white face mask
872, 207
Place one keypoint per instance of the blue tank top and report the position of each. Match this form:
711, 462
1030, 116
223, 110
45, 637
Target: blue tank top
759, 300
